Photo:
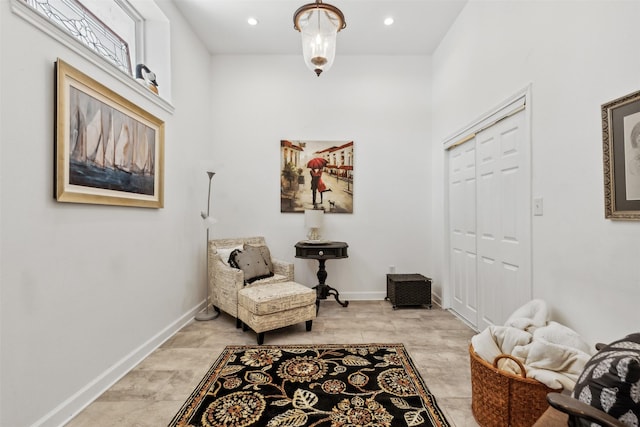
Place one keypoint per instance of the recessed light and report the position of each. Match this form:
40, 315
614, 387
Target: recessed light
252, 21
388, 21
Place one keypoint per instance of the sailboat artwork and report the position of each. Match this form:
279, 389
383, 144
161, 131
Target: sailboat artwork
108, 149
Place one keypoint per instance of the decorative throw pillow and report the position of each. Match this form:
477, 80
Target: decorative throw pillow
611, 381
231, 262
250, 261
266, 255
224, 253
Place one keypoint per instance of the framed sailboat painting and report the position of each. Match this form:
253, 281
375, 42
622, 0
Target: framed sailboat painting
108, 150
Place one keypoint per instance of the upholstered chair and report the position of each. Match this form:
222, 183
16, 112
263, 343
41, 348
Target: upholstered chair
225, 281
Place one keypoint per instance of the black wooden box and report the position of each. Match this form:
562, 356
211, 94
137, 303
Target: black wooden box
408, 289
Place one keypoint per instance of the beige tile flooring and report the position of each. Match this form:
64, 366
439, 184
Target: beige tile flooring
154, 391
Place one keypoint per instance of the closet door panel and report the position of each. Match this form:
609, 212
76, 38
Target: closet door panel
489, 227
504, 224
462, 231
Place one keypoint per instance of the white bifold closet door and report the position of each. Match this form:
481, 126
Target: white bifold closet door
462, 226
489, 223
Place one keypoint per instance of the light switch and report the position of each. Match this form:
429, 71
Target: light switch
537, 206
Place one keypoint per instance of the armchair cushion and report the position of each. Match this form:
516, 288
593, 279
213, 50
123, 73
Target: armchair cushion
252, 263
611, 381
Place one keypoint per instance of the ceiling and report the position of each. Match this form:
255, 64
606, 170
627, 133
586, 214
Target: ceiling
418, 28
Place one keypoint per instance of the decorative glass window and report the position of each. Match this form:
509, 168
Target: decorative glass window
107, 35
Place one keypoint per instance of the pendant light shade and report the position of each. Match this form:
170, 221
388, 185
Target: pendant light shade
319, 24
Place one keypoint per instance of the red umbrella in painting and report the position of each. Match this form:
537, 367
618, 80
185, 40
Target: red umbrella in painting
316, 163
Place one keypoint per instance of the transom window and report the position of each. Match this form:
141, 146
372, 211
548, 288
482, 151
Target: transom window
120, 33
109, 28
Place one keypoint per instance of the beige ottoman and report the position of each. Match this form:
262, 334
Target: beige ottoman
270, 306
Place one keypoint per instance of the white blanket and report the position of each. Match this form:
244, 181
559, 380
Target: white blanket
552, 353
530, 316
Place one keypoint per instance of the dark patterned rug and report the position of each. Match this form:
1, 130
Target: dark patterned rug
312, 385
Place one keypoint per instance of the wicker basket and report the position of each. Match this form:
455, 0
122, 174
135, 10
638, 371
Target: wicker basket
502, 399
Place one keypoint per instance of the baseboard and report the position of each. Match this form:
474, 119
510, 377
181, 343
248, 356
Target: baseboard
68, 409
376, 296
435, 299
361, 296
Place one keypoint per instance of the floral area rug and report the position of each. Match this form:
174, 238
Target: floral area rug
312, 385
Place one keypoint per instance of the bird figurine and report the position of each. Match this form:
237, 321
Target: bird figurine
147, 77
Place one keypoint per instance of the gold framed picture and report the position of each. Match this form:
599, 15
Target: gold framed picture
108, 150
621, 154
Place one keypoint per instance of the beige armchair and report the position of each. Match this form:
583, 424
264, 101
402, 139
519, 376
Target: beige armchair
226, 281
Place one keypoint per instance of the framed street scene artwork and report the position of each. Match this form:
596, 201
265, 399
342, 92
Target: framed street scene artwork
108, 150
316, 175
621, 154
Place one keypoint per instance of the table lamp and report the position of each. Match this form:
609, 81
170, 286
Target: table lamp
313, 219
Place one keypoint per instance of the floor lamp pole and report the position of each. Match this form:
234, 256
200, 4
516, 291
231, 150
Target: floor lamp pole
207, 314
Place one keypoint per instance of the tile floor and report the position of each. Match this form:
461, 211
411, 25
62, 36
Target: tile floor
152, 393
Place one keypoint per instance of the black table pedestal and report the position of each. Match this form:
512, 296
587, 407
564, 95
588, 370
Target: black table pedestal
323, 290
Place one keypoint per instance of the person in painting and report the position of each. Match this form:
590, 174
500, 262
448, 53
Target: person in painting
632, 158
635, 145
317, 185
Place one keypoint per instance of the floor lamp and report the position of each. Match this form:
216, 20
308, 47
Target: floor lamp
207, 314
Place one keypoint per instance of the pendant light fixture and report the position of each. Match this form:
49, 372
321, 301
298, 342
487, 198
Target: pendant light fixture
319, 24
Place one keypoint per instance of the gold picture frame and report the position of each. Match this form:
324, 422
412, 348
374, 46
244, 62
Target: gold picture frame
621, 156
108, 150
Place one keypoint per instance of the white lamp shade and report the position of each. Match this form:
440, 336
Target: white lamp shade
313, 218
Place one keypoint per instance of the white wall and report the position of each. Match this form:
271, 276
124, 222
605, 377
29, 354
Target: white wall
87, 290
382, 104
576, 56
